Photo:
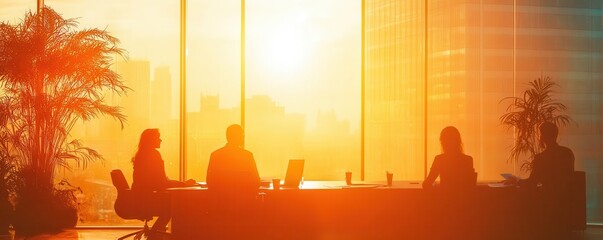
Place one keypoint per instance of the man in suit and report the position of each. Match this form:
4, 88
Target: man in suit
552, 171
233, 182
232, 168
553, 166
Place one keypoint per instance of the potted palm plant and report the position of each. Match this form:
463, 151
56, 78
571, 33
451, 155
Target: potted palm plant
52, 76
6, 208
526, 113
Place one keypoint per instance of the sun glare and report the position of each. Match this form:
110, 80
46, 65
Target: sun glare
284, 51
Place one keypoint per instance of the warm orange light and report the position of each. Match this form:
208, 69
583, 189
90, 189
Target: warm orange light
284, 51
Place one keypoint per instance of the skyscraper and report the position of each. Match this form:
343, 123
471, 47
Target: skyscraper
394, 89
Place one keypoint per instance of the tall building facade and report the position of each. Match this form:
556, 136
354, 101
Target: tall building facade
394, 83
478, 53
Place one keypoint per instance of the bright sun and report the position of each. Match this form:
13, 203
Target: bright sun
284, 52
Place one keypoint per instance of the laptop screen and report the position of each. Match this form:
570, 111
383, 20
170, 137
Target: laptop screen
295, 171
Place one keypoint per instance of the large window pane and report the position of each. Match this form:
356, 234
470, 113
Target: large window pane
564, 43
470, 71
149, 32
472, 68
395, 89
213, 78
303, 86
13, 11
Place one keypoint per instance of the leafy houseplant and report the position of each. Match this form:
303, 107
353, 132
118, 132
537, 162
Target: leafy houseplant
51, 76
526, 113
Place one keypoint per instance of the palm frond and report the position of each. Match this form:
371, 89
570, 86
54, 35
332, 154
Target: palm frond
79, 154
53, 75
525, 114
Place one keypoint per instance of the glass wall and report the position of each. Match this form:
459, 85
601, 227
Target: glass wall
149, 32
13, 11
480, 52
213, 79
470, 72
562, 40
394, 89
303, 86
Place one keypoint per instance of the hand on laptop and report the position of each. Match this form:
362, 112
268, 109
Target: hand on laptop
511, 180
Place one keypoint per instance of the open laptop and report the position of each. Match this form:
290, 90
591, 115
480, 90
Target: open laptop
295, 171
506, 176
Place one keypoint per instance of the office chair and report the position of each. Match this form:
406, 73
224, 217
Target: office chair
460, 181
127, 206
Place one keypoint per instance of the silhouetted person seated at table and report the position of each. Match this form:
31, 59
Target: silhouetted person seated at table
454, 168
232, 168
233, 182
552, 170
553, 166
149, 178
449, 214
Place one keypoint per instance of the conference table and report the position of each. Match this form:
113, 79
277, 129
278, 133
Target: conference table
368, 210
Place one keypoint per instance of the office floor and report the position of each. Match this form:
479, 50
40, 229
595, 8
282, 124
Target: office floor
591, 233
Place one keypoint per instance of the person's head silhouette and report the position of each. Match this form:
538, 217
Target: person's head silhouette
450, 138
548, 133
235, 135
149, 139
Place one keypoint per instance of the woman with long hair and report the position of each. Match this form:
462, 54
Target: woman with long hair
149, 177
452, 166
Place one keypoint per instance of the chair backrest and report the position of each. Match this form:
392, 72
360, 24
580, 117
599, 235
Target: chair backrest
119, 180
127, 205
463, 180
469, 180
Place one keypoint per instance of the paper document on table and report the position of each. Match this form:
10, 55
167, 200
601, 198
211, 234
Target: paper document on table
337, 186
499, 185
363, 186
